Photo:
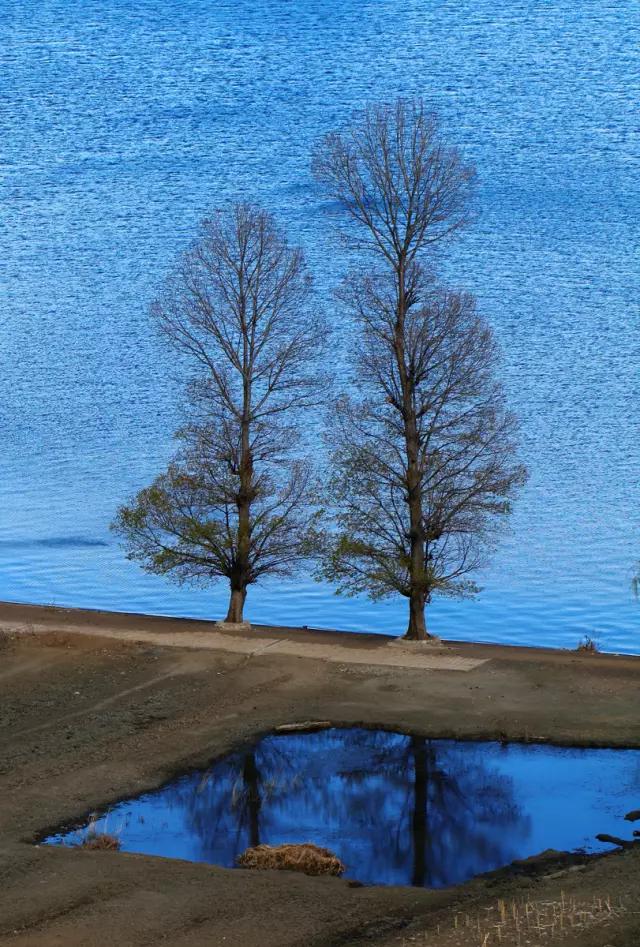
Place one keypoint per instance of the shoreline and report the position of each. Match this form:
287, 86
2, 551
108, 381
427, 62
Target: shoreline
19, 615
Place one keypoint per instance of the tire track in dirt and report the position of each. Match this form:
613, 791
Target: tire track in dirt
25, 667
185, 665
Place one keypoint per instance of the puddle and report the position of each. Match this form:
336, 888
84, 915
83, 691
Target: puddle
396, 809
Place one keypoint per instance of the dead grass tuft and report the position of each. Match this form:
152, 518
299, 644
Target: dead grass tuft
588, 645
523, 923
101, 843
305, 857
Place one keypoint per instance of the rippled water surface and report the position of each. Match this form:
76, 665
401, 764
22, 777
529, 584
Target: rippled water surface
395, 809
121, 124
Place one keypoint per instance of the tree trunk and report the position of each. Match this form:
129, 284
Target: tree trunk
236, 605
417, 628
243, 501
419, 822
244, 496
251, 778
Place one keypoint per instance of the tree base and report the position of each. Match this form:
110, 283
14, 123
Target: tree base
413, 644
233, 626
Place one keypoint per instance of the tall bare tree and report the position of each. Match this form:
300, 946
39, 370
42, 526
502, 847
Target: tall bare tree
237, 500
424, 449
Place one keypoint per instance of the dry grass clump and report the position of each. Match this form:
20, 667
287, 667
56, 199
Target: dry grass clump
306, 857
523, 923
101, 842
588, 645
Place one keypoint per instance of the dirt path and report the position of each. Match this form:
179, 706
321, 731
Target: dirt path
86, 719
375, 650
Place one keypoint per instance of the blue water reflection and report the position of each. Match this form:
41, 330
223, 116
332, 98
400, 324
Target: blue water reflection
397, 809
123, 123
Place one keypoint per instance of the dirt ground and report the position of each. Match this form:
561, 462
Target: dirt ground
86, 720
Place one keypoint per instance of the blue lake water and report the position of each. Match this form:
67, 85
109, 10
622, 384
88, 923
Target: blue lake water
122, 124
396, 809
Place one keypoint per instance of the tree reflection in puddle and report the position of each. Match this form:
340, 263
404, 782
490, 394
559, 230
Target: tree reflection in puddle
395, 808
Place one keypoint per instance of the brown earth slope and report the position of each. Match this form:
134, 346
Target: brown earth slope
85, 720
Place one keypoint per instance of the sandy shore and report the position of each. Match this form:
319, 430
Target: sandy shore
98, 706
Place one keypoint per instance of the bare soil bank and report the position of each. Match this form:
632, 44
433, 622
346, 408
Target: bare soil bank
86, 720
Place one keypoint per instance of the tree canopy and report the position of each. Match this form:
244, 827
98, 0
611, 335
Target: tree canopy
423, 455
237, 501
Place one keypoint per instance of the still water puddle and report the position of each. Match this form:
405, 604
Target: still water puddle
396, 809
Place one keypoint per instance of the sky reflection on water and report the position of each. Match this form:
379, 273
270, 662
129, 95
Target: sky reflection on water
396, 809
123, 124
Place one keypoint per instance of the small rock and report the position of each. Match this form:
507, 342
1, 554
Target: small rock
304, 726
614, 840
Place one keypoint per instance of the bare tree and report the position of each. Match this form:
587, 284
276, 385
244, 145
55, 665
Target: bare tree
237, 501
424, 448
